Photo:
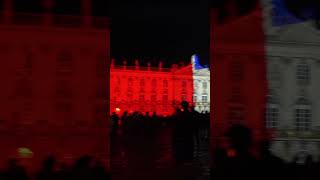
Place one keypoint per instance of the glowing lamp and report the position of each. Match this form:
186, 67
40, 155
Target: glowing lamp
118, 110
25, 152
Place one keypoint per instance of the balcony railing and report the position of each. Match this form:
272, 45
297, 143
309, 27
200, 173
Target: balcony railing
52, 20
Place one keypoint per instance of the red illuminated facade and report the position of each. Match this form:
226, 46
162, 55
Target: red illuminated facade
239, 78
54, 84
150, 89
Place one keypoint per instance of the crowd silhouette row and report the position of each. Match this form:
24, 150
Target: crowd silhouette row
189, 129
84, 168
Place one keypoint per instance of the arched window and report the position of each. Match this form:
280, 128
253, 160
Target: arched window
303, 115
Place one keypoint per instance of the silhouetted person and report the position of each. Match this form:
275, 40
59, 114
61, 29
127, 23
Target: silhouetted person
219, 169
47, 171
183, 134
15, 171
196, 125
272, 167
240, 163
115, 119
99, 171
63, 173
81, 169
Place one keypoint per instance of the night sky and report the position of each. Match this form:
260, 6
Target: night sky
149, 30
166, 30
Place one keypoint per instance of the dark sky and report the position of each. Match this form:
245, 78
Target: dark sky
171, 30
153, 30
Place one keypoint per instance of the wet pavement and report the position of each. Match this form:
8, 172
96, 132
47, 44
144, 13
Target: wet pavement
147, 154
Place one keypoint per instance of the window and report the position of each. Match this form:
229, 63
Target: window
303, 73
101, 66
130, 84
154, 85
153, 97
204, 85
195, 98
196, 85
204, 98
165, 83
142, 83
236, 71
183, 97
272, 116
165, 98
235, 114
184, 84
64, 62
303, 119
130, 95
141, 97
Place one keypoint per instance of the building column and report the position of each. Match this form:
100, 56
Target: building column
87, 12
8, 11
48, 6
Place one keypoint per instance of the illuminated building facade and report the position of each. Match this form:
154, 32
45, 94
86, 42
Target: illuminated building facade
54, 79
267, 80
158, 89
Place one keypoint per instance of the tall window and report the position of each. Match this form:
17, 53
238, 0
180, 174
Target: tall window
153, 97
236, 71
154, 85
303, 119
141, 97
272, 111
204, 98
142, 83
303, 114
101, 66
235, 114
165, 83
64, 62
272, 116
165, 98
130, 84
303, 73
204, 85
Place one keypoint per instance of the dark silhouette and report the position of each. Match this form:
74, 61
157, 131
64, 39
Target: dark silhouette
15, 171
272, 167
183, 134
82, 169
239, 163
115, 119
63, 173
99, 172
47, 172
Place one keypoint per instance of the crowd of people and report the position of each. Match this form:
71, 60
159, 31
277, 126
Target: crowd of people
188, 128
85, 168
238, 161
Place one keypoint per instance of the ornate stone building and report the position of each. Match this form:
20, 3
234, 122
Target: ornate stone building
158, 89
275, 70
54, 79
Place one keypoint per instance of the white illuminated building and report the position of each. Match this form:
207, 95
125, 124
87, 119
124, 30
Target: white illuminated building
201, 84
